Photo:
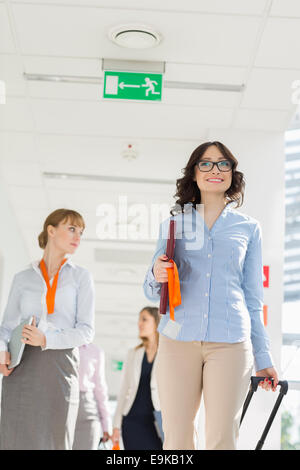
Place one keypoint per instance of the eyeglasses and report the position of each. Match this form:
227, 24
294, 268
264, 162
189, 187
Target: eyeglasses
223, 165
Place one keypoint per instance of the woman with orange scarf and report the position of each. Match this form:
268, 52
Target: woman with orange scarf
40, 396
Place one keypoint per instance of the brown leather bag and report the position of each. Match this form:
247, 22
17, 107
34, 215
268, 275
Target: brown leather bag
170, 254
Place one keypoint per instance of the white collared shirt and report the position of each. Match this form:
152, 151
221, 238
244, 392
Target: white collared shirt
72, 322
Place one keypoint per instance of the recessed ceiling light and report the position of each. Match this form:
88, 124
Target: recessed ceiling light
134, 36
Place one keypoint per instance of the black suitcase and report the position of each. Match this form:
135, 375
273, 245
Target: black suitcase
253, 387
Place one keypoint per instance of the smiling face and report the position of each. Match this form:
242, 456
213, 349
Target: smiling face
213, 180
65, 237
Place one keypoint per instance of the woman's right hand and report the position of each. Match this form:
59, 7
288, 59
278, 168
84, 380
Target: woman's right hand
4, 362
115, 436
160, 268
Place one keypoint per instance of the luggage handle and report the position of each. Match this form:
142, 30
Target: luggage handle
282, 383
253, 388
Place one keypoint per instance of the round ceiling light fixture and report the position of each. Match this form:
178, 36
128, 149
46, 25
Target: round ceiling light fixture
134, 36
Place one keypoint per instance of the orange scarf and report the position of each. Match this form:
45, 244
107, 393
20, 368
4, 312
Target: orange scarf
51, 290
174, 288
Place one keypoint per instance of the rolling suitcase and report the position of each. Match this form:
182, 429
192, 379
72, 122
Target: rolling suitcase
253, 387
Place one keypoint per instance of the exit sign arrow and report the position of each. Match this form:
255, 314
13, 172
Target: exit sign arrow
132, 86
123, 85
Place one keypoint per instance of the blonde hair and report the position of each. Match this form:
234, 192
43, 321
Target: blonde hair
54, 219
153, 311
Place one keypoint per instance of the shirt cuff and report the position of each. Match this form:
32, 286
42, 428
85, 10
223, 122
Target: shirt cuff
3, 346
3, 357
48, 341
117, 422
263, 361
106, 426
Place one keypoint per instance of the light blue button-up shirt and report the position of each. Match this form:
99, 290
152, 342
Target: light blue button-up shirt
221, 280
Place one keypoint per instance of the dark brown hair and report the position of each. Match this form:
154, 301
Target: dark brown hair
54, 219
153, 311
187, 188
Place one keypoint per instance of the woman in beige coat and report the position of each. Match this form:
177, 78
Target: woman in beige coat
137, 415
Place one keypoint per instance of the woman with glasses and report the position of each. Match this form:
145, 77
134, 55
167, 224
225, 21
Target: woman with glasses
217, 331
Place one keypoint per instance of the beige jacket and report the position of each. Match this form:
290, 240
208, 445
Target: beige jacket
129, 385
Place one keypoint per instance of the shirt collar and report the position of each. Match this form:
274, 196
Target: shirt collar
36, 264
189, 206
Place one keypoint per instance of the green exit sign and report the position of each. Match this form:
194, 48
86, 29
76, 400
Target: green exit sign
132, 86
117, 365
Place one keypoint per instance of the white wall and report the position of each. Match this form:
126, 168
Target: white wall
261, 159
13, 252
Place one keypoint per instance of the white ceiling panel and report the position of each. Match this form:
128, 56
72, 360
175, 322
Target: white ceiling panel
199, 98
24, 173
261, 119
16, 115
65, 91
82, 32
270, 89
280, 45
18, 146
62, 66
205, 74
103, 156
285, 8
6, 39
255, 7
104, 118
12, 74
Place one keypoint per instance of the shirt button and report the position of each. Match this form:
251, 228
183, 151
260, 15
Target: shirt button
205, 316
209, 238
208, 256
206, 294
207, 274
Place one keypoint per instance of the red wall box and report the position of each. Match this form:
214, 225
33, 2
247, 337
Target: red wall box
266, 276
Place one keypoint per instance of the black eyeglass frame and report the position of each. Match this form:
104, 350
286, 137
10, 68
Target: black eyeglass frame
217, 164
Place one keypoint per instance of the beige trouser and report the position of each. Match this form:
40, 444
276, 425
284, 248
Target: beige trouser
184, 369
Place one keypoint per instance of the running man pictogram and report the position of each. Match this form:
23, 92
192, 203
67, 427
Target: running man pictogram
150, 84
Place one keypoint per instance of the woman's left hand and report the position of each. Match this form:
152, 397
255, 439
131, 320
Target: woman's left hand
34, 336
267, 384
